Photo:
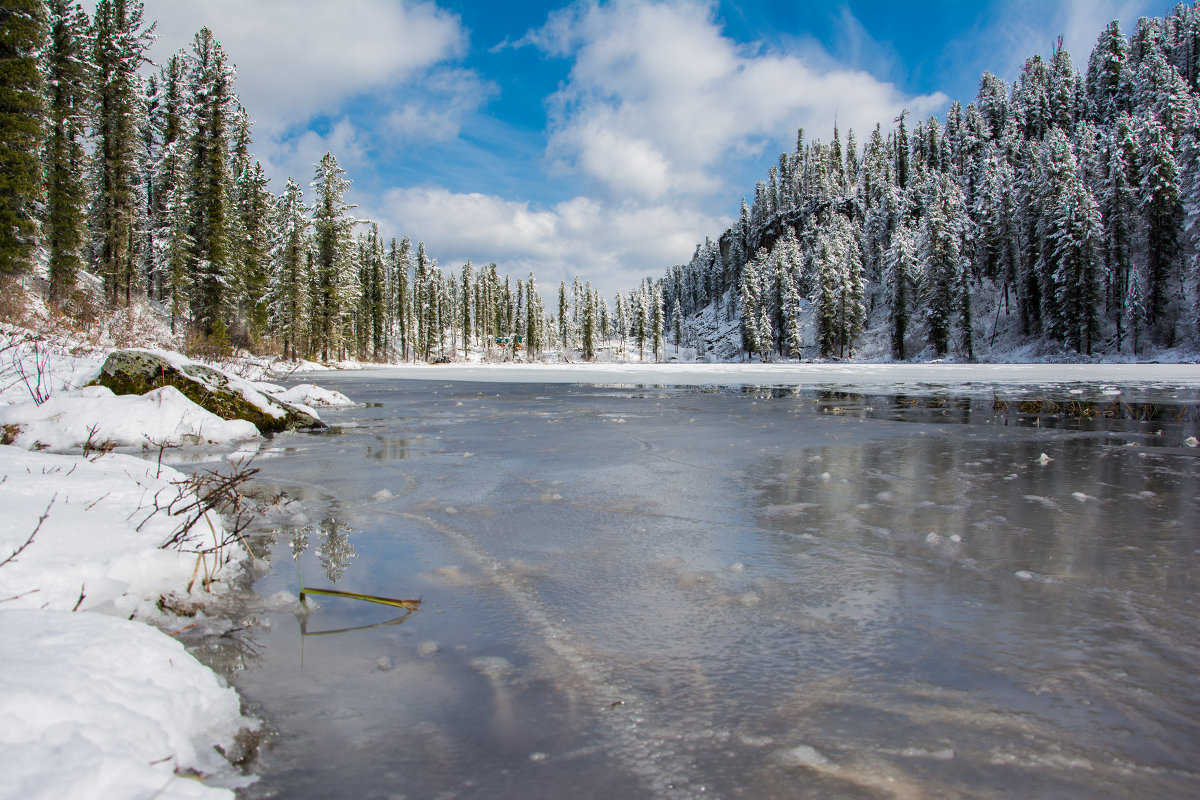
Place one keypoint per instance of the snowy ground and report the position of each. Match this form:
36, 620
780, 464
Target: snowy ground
977, 378
93, 702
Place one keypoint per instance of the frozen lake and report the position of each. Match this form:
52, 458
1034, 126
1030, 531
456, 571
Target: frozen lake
914, 588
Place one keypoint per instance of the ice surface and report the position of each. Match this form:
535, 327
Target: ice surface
926, 604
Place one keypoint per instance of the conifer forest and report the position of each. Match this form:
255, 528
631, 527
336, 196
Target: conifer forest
1061, 211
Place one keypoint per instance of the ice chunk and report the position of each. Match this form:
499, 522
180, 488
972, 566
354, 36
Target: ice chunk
799, 756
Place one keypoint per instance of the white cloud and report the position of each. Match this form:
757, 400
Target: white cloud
296, 157
658, 97
299, 58
612, 246
450, 95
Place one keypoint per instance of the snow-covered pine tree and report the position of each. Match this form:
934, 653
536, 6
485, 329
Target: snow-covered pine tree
23, 25
466, 296
289, 299
900, 269
210, 186
589, 325
939, 251
656, 321
67, 67
1108, 82
119, 50
750, 303
1162, 218
331, 225
254, 238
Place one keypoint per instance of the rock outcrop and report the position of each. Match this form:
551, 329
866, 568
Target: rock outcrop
227, 396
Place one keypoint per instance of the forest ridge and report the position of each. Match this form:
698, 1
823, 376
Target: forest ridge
1063, 210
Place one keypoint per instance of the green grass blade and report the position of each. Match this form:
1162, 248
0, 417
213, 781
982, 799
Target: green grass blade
411, 605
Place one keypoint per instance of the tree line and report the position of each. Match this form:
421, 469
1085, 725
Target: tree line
1070, 200
141, 181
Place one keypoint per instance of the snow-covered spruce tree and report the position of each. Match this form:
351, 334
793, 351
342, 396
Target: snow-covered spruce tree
1074, 235
252, 241
22, 37
331, 225
119, 48
750, 303
621, 315
1191, 206
401, 266
656, 321
374, 300
839, 306
589, 325
466, 315
67, 67
210, 181
289, 299
1162, 218
533, 319
899, 270
677, 324
167, 159
939, 251
176, 254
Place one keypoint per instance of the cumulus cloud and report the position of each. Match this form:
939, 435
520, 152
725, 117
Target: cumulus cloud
648, 114
614, 246
300, 58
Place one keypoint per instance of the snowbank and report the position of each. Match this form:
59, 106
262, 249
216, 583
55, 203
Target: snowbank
94, 415
95, 706
100, 537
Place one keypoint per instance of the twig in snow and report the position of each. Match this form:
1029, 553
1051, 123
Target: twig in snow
36, 528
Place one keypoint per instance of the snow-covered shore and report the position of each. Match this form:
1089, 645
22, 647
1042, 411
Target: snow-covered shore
848, 375
93, 701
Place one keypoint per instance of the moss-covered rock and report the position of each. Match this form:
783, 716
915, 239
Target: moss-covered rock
227, 396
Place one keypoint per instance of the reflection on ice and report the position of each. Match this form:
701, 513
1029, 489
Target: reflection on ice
751, 592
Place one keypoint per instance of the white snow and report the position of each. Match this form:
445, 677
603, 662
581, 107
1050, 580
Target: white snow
100, 536
981, 379
71, 418
95, 706
306, 394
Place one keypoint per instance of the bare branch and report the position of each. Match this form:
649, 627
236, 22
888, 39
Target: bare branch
36, 528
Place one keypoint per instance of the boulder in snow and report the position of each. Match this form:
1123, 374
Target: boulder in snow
229, 397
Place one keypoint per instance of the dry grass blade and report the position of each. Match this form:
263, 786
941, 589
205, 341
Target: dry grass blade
411, 605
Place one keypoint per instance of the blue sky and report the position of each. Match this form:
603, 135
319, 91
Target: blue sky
599, 139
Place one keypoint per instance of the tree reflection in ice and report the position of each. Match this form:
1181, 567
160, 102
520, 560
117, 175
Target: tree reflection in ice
335, 551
